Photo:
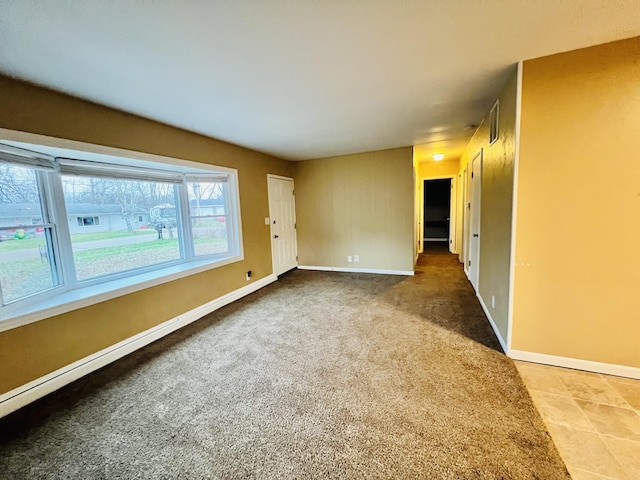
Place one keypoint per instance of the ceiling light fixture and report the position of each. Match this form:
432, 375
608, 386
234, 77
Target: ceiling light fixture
438, 156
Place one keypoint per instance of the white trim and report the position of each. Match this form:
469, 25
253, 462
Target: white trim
576, 364
356, 270
514, 206
496, 107
493, 324
438, 177
25, 394
273, 175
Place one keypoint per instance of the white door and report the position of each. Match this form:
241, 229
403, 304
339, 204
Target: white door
453, 210
473, 259
282, 219
465, 221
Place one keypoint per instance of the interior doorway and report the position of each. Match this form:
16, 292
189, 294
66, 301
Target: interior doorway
437, 214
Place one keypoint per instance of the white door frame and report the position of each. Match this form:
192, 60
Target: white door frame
475, 197
271, 229
452, 209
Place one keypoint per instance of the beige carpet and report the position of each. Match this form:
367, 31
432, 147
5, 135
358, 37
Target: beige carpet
320, 375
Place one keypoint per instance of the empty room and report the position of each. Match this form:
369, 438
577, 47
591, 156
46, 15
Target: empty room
294, 239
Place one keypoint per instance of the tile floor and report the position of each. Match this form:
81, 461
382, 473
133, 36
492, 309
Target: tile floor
594, 419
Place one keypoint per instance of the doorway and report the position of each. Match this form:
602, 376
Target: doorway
437, 214
282, 222
473, 244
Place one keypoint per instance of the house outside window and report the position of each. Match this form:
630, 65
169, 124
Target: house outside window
69, 224
88, 221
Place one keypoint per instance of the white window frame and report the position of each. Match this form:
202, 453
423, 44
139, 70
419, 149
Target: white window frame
73, 294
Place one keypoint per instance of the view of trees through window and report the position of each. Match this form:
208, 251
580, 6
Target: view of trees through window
115, 225
25, 240
109, 236
207, 211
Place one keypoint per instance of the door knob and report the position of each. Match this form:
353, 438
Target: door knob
275, 236
475, 234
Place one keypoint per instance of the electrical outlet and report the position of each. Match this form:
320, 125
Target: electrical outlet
356, 258
349, 259
248, 276
493, 301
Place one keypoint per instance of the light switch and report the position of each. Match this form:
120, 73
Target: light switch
266, 220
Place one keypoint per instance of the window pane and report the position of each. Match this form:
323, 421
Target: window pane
26, 267
118, 225
208, 211
209, 235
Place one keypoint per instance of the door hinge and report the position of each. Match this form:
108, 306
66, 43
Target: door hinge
471, 174
469, 263
295, 225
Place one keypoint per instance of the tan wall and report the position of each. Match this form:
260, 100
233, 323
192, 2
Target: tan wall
444, 168
34, 350
578, 212
360, 204
496, 205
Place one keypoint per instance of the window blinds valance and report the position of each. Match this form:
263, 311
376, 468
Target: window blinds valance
26, 158
207, 178
70, 166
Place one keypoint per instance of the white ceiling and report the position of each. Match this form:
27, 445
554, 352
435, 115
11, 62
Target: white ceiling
299, 78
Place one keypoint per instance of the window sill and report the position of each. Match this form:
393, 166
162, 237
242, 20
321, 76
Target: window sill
86, 296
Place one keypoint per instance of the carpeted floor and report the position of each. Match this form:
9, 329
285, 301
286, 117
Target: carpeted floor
320, 375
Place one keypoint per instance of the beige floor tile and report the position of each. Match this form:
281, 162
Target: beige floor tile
627, 453
561, 410
585, 451
629, 391
577, 474
609, 420
614, 378
592, 389
541, 379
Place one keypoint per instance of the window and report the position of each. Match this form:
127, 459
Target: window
67, 224
27, 265
207, 215
88, 221
118, 247
493, 123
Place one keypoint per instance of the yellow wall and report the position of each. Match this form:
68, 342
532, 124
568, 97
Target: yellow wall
577, 272
31, 351
360, 204
496, 204
444, 168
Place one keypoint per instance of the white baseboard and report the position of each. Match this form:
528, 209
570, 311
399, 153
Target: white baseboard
503, 344
356, 270
25, 394
576, 364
